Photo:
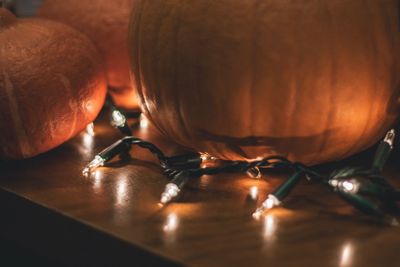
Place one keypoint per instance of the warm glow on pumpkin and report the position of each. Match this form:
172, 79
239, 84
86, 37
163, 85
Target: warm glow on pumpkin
314, 81
52, 84
106, 24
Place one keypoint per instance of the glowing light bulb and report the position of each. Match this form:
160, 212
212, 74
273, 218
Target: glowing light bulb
271, 202
383, 151
206, 157
349, 186
90, 129
173, 188
117, 119
95, 163
171, 191
389, 138
333, 182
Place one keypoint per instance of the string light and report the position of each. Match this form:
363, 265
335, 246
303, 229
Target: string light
360, 187
271, 202
107, 154
117, 118
383, 152
274, 199
173, 188
207, 158
98, 161
90, 129
349, 186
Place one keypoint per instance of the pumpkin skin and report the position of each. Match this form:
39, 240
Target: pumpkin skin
106, 24
52, 84
314, 81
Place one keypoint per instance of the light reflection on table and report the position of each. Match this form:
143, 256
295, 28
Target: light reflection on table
122, 193
346, 255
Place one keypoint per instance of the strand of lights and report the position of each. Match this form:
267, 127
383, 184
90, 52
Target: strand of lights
275, 198
349, 183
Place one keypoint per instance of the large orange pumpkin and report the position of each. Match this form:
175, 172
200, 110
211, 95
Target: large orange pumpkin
313, 80
105, 22
52, 84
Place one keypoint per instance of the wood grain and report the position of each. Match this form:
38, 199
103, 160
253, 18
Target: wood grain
113, 218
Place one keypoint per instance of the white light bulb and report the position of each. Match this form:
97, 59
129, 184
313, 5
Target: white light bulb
171, 191
389, 138
90, 129
269, 203
95, 163
350, 186
118, 119
333, 182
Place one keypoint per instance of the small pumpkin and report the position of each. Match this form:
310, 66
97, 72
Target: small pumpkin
106, 24
52, 84
312, 80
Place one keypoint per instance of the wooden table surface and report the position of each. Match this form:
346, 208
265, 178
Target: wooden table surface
113, 218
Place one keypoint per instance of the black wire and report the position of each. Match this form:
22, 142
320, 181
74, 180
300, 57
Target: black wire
190, 164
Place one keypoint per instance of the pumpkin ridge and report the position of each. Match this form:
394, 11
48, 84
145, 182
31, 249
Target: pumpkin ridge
333, 79
72, 103
134, 34
177, 55
158, 51
254, 66
373, 72
24, 146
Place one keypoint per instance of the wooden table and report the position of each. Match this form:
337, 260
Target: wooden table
113, 218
